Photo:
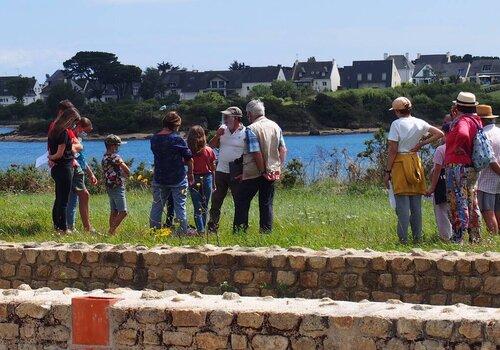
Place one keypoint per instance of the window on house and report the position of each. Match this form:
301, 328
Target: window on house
300, 74
323, 74
171, 84
222, 84
324, 83
360, 76
213, 84
486, 67
460, 72
248, 88
369, 76
384, 76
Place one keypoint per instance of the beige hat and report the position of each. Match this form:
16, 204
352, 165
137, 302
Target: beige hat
400, 103
233, 112
485, 112
467, 99
113, 140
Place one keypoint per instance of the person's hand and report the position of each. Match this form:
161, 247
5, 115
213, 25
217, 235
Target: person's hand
51, 163
387, 179
417, 147
239, 178
220, 131
429, 192
459, 151
93, 180
190, 179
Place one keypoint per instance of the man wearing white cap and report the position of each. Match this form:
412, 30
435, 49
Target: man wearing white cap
461, 176
488, 183
404, 168
230, 140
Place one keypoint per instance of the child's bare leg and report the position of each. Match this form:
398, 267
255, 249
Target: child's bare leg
120, 215
112, 217
83, 197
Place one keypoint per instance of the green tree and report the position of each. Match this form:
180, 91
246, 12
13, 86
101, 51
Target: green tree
63, 92
94, 66
122, 77
235, 65
152, 84
260, 91
166, 66
19, 86
284, 89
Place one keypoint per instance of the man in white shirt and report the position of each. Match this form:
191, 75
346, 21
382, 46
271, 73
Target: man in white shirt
488, 183
230, 140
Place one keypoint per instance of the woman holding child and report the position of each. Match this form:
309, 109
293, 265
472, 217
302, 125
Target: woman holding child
404, 168
61, 157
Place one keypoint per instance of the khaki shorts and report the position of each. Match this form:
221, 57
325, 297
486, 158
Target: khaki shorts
78, 183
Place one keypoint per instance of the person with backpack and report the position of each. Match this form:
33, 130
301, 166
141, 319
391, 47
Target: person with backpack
460, 169
488, 184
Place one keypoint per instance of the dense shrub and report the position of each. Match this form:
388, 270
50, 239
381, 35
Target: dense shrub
24, 179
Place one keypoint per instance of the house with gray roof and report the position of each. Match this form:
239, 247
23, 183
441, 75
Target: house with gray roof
7, 98
426, 73
59, 77
404, 66
370, 74
188, 84
433, 59
485, 71
319, 75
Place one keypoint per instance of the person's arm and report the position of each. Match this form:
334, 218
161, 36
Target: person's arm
76, 145
259, 161
253, 147
495, 167
392, 152
189, 162
91, 175
215, 141
434, 178
60, 152
124, 168
282, 150
435, 134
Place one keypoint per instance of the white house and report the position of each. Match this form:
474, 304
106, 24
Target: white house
6, 97
319, 75
404, 66
426, 73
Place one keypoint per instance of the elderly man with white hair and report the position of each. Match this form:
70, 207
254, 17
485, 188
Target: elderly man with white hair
264, 155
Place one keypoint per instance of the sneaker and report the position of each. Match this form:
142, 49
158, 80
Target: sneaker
191, 232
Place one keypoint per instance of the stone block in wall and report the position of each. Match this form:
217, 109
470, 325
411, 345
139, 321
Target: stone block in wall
57, 333
449, 283
441, 329
126, 336
461, 298
238, 342
34, 310
357, 261
309, 279
243, 276
341, 322
12, 254
463, 266
198, 259
350, 280
303, 343
492, 285
471, 330
278, 261
384, 296
125, 273
287, 278
297, 262
104, 272
7, 270
336, 263
375, 326
223, 259
64, 273
269, 342
329, 279
9, 331
254, 261
423, 264
210, 341
24, 272
446, 265
263, 278
188, 318
405, 281
151, 258
150, 315
481, 265
220, 275
201, 275
379, 263
30, 255
129, 256
317, 262
313, 325
283, 321
385, 280
409, 329
438, 299
250, 319
184, 275
401, 264
177, 338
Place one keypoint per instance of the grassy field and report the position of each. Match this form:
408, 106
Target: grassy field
315, 216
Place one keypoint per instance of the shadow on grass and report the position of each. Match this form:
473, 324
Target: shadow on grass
29, 229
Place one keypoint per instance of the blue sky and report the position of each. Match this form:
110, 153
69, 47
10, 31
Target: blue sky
38, 35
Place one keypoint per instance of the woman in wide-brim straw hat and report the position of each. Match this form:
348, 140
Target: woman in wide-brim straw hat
461, 177
404, 167
488, 183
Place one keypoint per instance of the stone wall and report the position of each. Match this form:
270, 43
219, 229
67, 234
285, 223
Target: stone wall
153, 320
435, 277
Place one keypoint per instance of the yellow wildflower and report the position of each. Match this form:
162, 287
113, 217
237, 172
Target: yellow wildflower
139, 177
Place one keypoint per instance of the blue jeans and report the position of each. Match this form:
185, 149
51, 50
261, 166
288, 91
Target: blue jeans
200, 195
160, 198
71, 209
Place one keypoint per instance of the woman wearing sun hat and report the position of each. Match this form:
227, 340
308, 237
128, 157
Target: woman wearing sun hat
404, 168
461, 177
488, 183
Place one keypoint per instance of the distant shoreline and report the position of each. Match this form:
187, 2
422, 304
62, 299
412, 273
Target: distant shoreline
15, 137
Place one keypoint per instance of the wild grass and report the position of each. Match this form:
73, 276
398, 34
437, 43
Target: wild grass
315, 216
